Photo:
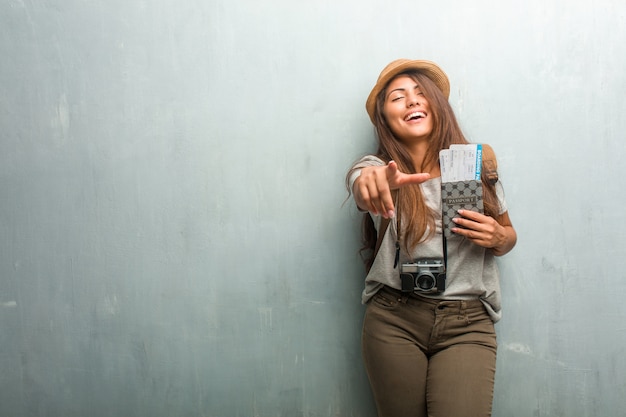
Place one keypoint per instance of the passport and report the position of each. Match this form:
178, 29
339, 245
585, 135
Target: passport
461, 187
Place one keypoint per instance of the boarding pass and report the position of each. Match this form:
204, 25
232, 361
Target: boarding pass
461, 163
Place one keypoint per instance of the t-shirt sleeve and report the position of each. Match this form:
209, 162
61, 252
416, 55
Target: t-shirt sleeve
501, 200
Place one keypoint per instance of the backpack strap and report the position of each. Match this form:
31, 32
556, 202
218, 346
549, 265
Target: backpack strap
384, 225
490, 164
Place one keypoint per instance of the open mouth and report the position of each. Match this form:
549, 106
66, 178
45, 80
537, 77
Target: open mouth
417, 115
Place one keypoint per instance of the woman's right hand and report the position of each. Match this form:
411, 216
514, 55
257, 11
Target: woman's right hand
372, 189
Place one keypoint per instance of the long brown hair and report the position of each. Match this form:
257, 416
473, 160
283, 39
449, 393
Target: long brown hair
418, 220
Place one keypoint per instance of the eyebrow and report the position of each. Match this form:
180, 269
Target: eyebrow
395, 89
416, 87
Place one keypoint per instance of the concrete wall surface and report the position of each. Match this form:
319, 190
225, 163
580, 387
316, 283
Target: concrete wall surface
172, 235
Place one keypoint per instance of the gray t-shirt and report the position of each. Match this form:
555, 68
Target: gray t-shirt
472, 271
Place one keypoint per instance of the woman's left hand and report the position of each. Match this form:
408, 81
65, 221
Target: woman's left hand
486, 231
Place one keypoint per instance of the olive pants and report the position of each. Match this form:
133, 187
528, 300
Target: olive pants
429, 357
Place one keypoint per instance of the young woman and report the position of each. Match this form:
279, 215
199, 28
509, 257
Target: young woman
427, 353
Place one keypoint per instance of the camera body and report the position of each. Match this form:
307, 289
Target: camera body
425, 275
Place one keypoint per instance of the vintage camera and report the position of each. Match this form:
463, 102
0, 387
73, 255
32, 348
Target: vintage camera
426, 275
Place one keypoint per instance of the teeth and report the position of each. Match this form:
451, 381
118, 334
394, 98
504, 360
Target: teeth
414, 115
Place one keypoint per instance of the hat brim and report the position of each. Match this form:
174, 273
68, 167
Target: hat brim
428, 68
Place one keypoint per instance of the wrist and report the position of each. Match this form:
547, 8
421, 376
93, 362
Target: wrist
505, 241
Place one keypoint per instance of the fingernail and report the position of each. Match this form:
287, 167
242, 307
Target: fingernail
390, 214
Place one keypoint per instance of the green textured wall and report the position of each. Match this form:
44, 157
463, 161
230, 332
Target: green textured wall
172, 236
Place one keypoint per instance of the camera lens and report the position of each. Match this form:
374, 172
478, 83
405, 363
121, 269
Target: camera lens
425, 281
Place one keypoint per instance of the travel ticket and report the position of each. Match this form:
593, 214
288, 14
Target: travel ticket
461, 163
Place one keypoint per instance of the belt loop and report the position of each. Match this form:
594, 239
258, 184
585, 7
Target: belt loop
464, 313
405, 297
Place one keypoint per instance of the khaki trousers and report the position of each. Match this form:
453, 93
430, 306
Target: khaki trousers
429, 357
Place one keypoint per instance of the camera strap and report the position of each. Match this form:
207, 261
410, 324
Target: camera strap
445, 253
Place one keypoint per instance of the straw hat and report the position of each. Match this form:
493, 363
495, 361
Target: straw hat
428, 68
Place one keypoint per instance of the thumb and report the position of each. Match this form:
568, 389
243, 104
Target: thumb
392, 169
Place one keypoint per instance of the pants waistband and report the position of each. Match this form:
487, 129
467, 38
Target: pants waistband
434, 302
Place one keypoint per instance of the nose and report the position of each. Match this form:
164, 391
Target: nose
413, 100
